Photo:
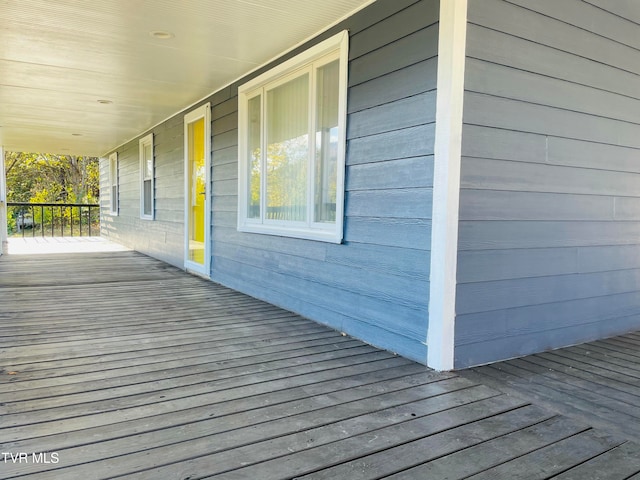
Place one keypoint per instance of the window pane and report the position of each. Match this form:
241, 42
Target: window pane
288, 150
114, 197
197, 190
113, 171
148, 161
147, 197
326, 161
253, 155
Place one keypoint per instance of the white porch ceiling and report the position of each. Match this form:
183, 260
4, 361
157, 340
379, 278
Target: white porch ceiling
59, 57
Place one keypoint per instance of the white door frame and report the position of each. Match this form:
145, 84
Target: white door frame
204, 112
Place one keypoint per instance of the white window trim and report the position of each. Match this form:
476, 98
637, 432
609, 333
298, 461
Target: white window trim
147, 141
113, 167
311, 231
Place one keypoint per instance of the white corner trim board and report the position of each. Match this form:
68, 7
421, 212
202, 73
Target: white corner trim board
446, 183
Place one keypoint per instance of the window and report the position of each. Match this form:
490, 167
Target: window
146, 177
292, 146
113, 182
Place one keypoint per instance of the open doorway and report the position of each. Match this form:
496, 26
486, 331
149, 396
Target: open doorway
197, 184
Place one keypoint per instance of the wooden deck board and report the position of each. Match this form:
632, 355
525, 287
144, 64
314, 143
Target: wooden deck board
553, 459
611, 359
574, 381
522, 440
106, 376
299, 453
558, 396
74, 405
597, 371
454, 444
223, 432
131, 383
597, 383
204, 404
620, 462
121, 363
129, 368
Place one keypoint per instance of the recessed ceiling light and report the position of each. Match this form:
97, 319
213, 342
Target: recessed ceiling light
105, 102
76, 134
161, 34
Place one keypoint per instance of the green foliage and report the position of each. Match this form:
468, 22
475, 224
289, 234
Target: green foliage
43, 177
48, 178
11, 225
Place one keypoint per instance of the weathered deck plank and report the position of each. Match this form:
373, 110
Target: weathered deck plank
553, 459
296, 454
126, 367
620, 462
454, 443
522, 440
597, 383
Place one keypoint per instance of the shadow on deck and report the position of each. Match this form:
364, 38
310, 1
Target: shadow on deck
117, 365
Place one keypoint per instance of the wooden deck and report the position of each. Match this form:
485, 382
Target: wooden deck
119, 366
597, 383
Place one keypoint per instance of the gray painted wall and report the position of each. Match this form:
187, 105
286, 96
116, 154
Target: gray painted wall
375, 285
163, 237
549, 241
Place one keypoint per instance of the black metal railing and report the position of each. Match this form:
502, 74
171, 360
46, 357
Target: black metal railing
64, 219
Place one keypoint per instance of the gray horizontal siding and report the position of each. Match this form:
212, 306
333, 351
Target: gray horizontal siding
162, 237
545, 23
413, 172
595, 18
549, 238
481, 235
625, 9
413, 80
398, 144
520, 176
375, 285
497, 47
506, 264
487, 296
516, 146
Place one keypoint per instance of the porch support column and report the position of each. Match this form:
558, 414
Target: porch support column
3, 205
446, 183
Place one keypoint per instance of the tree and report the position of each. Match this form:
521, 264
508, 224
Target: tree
49, 178
44, 177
